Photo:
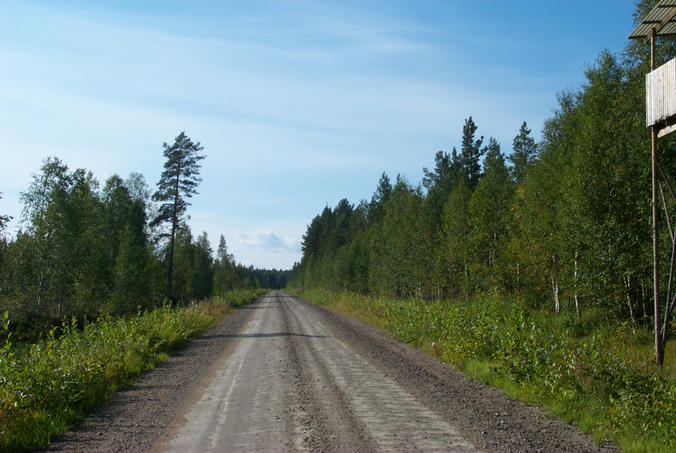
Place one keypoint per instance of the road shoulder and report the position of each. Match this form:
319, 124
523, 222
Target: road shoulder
482, 414
135, 418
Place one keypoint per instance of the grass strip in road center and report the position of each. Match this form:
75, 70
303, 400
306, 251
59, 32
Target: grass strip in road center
47, 386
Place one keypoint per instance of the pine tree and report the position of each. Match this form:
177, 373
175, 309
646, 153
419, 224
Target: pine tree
471, 153
177, 184
524, 153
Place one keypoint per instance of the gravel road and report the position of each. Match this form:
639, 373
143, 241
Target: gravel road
284, 375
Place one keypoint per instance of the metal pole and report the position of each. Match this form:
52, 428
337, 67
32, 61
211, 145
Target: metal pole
659, 347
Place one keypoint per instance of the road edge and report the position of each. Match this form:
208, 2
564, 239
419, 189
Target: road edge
457, 398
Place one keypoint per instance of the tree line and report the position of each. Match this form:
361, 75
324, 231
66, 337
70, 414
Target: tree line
83, 250
563, 223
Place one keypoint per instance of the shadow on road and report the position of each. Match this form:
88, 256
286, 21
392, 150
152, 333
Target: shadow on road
263, 335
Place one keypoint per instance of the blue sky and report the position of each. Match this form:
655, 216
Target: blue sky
297, 103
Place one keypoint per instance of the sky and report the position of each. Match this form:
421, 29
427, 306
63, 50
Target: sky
298, 104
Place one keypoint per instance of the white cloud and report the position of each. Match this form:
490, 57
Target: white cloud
269, 241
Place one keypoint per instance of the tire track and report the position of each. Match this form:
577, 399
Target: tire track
333, 424
248, 404
390, 417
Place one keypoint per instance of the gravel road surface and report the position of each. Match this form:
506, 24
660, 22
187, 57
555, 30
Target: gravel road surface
284, 375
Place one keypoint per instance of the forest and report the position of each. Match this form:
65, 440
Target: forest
563, 223
84, 250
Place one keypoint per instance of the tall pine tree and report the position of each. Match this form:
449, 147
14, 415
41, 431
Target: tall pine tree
177, 184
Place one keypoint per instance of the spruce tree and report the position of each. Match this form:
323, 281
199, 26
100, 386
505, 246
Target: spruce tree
380, 196
471, 152
223, 268
130, 271
203, 273
177, 184
489, 213
524, 153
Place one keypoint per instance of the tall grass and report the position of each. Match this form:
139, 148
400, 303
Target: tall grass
48, 385
603, 380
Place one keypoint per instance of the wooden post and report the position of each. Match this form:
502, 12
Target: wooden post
659, 345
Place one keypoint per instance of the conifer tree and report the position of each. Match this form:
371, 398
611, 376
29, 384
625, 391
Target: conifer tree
129, 274
471, 152
203, 274
524, 153
488, 211
177, 184
380, 196
223, 268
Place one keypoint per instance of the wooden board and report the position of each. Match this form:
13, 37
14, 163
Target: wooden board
661, 94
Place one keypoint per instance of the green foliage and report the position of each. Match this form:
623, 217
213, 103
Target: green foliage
489, 217
59, 259
84, 252
179, 180
524, 153
593, 379
470, 153
46, 386
130, 285
177, 184
456, 232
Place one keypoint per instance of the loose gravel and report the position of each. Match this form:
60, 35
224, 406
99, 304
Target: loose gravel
320, 381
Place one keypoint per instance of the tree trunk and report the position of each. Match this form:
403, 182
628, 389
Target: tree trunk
645, 309
577, 301
170, 269
555, 290
627, 284
174, 222
555, 287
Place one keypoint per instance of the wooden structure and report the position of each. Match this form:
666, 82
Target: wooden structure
661, 118
660, 100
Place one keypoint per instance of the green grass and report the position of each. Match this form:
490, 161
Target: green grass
601, 379
47, 386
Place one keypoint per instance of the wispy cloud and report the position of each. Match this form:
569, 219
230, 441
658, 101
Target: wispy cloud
269, 242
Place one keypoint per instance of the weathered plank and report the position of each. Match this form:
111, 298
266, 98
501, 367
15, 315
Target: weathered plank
661, 94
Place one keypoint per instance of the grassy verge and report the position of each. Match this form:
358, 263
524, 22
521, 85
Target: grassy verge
603, 381
48, 385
